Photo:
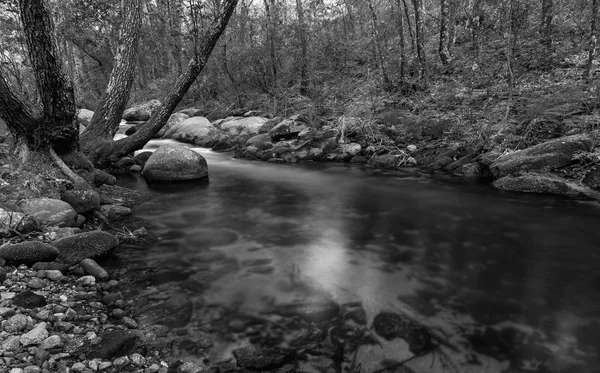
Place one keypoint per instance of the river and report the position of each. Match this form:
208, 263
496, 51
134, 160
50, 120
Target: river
509, 282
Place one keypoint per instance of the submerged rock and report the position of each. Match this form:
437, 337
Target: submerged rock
175, 312
262, 358
175, 163
113, 344
392, 325
314, 311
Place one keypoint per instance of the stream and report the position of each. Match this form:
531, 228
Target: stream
506, 282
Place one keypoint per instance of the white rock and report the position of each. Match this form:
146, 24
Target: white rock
51, 342
78, 367
87, 280
137, 359
53, 274
35, 335
16, 323
411, 148
16, 370
11, 343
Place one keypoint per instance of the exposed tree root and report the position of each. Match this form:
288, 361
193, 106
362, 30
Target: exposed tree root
77, 180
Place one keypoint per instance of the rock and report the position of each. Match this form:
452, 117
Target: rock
386, 161
312, 311
81, 200
175, 163
114, 344
174, 120
16, 323
352, 148
242, 126
54, 275
6, 312
268, 126
592, 178
87, 280
2, 274
102, 177
260, 142
18, 221
11, 343
131, 130
411, 148
48, 266
141, 112
141, 158
74, 249
262, 358
92, 268
50, 211
84, 117
287, 129
469, 171
358, 159
28, 252
175, 312
35, 336
115, 212
547, 156
195, 130
541, 183
122, 166
32, 369
28, 299
191, 112
54, 341
392, 325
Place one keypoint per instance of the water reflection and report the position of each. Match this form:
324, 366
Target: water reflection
510, 279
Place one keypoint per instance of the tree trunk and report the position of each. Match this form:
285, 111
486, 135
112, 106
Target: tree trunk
444, 48
106, 152
400, 21
546, 24
304, 80
409, 28
420, 42
592, 39
271, 17
54, 127
106, 119
376, 43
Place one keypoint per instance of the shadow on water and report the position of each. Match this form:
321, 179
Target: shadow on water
508, 280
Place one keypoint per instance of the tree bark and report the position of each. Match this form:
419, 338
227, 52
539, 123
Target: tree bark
420, 42
377, 44
444, 47
593, 39
546, 24
304, 79
271, 17
409, 28
400, 21
54, 126
107, 152
106, 119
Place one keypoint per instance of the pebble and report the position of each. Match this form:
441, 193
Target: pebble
11, 343
129, 322
16, 323
16, 370
54, 274
121, 361
153, 368
35, 335
51, 342
78, 367
6, 312
137, 359
94, 269
32, 369
36, 283
87, 280
104, 365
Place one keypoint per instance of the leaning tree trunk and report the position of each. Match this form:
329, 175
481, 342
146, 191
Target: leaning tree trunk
53, 128
106, 119
104, 153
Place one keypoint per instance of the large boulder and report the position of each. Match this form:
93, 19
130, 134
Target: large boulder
191, 112
74, 249
141, 112
84, 117
175, 163
195, 130
28, 252
543, 157
543, 183
50, 211
242, 126
260, 142
288, 129
174, 120
82, 200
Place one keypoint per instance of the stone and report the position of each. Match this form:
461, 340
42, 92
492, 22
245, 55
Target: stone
352, 148
54, 341
54, 275
541, 183
131, 130
72, 250
78, 367
11, 343
94, 269
114, 344
392, 325
385, 161
195, 130
175, 312
16, 370
84, 117
28, 252
287, 129
87, 280
411, 148
82, 200
137, 359
32, 369
469, 171
141, 112
50, 211
190, 367
543, 157
35, 335
18, 221
6, 312
115, 212
49, 266
262, 358
175, 163
28, 299
141, 158
260, 142
191, 112
16, 323
174, 120
102, 177
242, 126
